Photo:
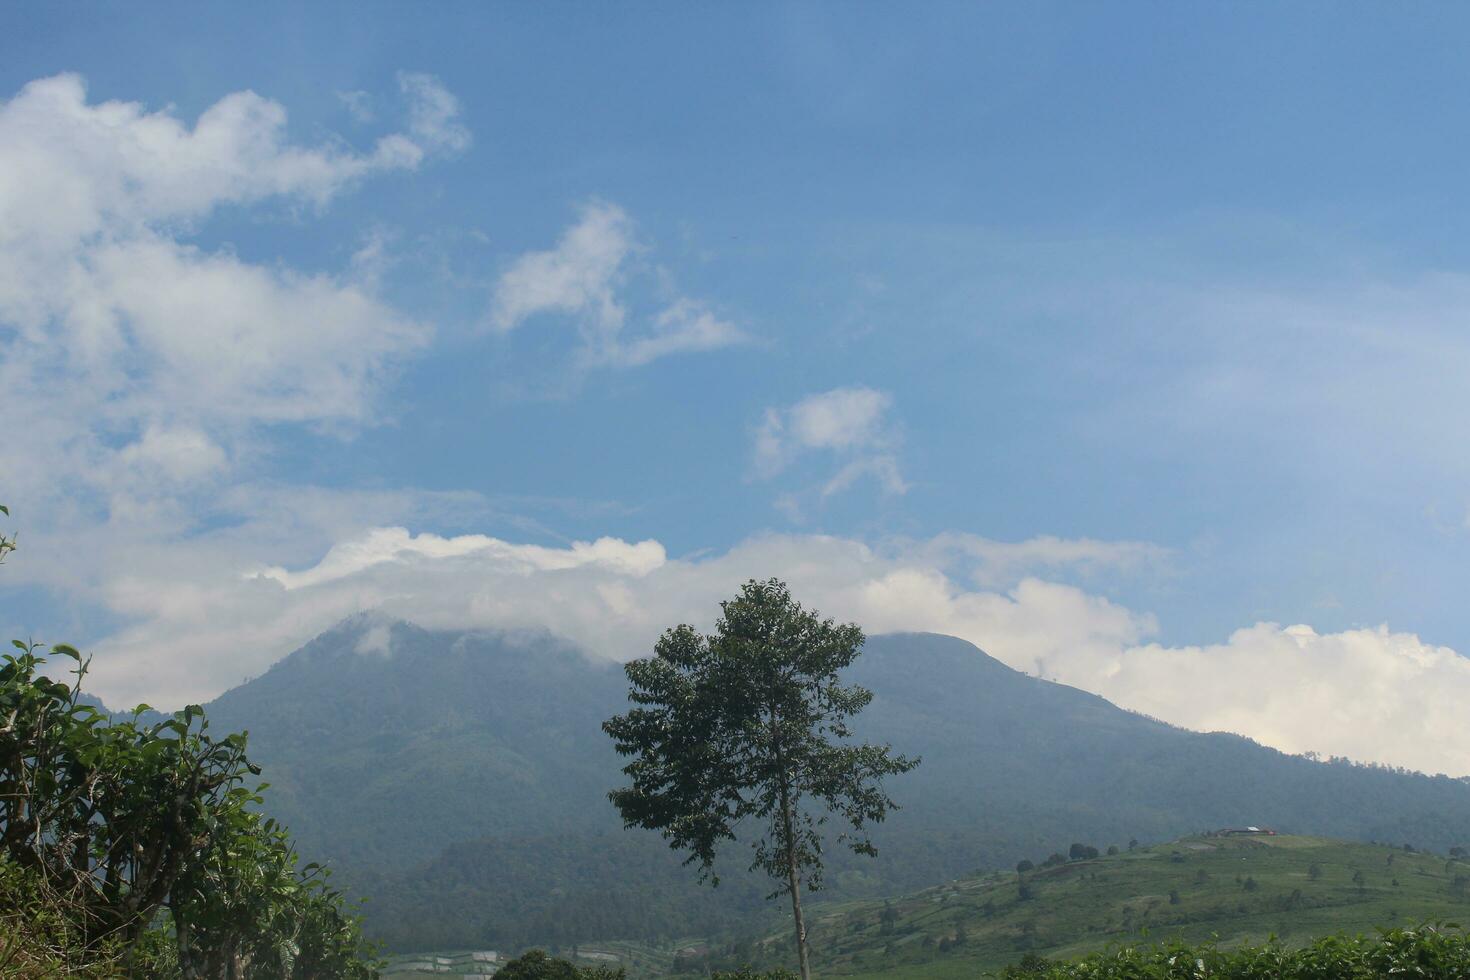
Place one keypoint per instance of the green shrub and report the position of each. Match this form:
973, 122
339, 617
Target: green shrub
1430, 952
537, 965
137, 848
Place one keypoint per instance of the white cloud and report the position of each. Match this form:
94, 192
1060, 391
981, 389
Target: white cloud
182, 454
849, 424
137, 364
433, 119
378, 639
579, 276
683, 326
396, 544
584, 277
844, 418
143, 374
1369, 694
883, 468
202, 617
217, 603
70, 170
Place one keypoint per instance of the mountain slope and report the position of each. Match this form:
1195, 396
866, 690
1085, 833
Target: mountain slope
462, 779
1070, 764
384, 755
1236, 889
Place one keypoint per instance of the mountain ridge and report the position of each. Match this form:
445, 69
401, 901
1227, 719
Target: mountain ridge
432, 763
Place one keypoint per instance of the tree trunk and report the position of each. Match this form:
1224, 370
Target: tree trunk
183, 937
790, 841
806, 970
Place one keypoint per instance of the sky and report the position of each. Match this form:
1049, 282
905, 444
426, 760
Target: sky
1129, 342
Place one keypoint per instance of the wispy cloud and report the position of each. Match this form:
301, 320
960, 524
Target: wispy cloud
433, 114
584, 278
849, 425
992, 563
359, 105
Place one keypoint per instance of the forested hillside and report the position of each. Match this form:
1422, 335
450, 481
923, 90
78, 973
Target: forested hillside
448, 772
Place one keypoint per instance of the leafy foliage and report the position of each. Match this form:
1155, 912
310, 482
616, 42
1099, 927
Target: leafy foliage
537, 965
744, 726
7, 539
135, 847
39, 934
1431, 952
107, 815
748, 723
122, 827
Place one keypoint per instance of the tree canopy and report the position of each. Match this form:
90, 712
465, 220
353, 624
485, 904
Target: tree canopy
750, 725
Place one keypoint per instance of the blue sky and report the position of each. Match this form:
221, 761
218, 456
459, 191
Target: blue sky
1160, 307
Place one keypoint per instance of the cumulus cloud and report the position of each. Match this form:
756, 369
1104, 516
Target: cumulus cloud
138, 363
585, 277
847, 424
211, 602
1371, 694
73, 169
396, 544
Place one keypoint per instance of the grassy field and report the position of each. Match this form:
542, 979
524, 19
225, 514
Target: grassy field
1236, 889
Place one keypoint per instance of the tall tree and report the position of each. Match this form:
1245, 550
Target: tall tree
750, 723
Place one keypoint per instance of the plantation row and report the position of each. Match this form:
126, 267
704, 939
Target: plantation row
1425, 953
1428, 952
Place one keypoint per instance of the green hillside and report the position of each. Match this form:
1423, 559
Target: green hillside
1236, 888
460, 780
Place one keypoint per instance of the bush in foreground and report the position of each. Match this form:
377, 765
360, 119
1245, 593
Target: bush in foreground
1431, 952
130, 848
136, 847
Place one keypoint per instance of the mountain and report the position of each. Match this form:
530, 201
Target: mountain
461, 779
382, 756
1236, 889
